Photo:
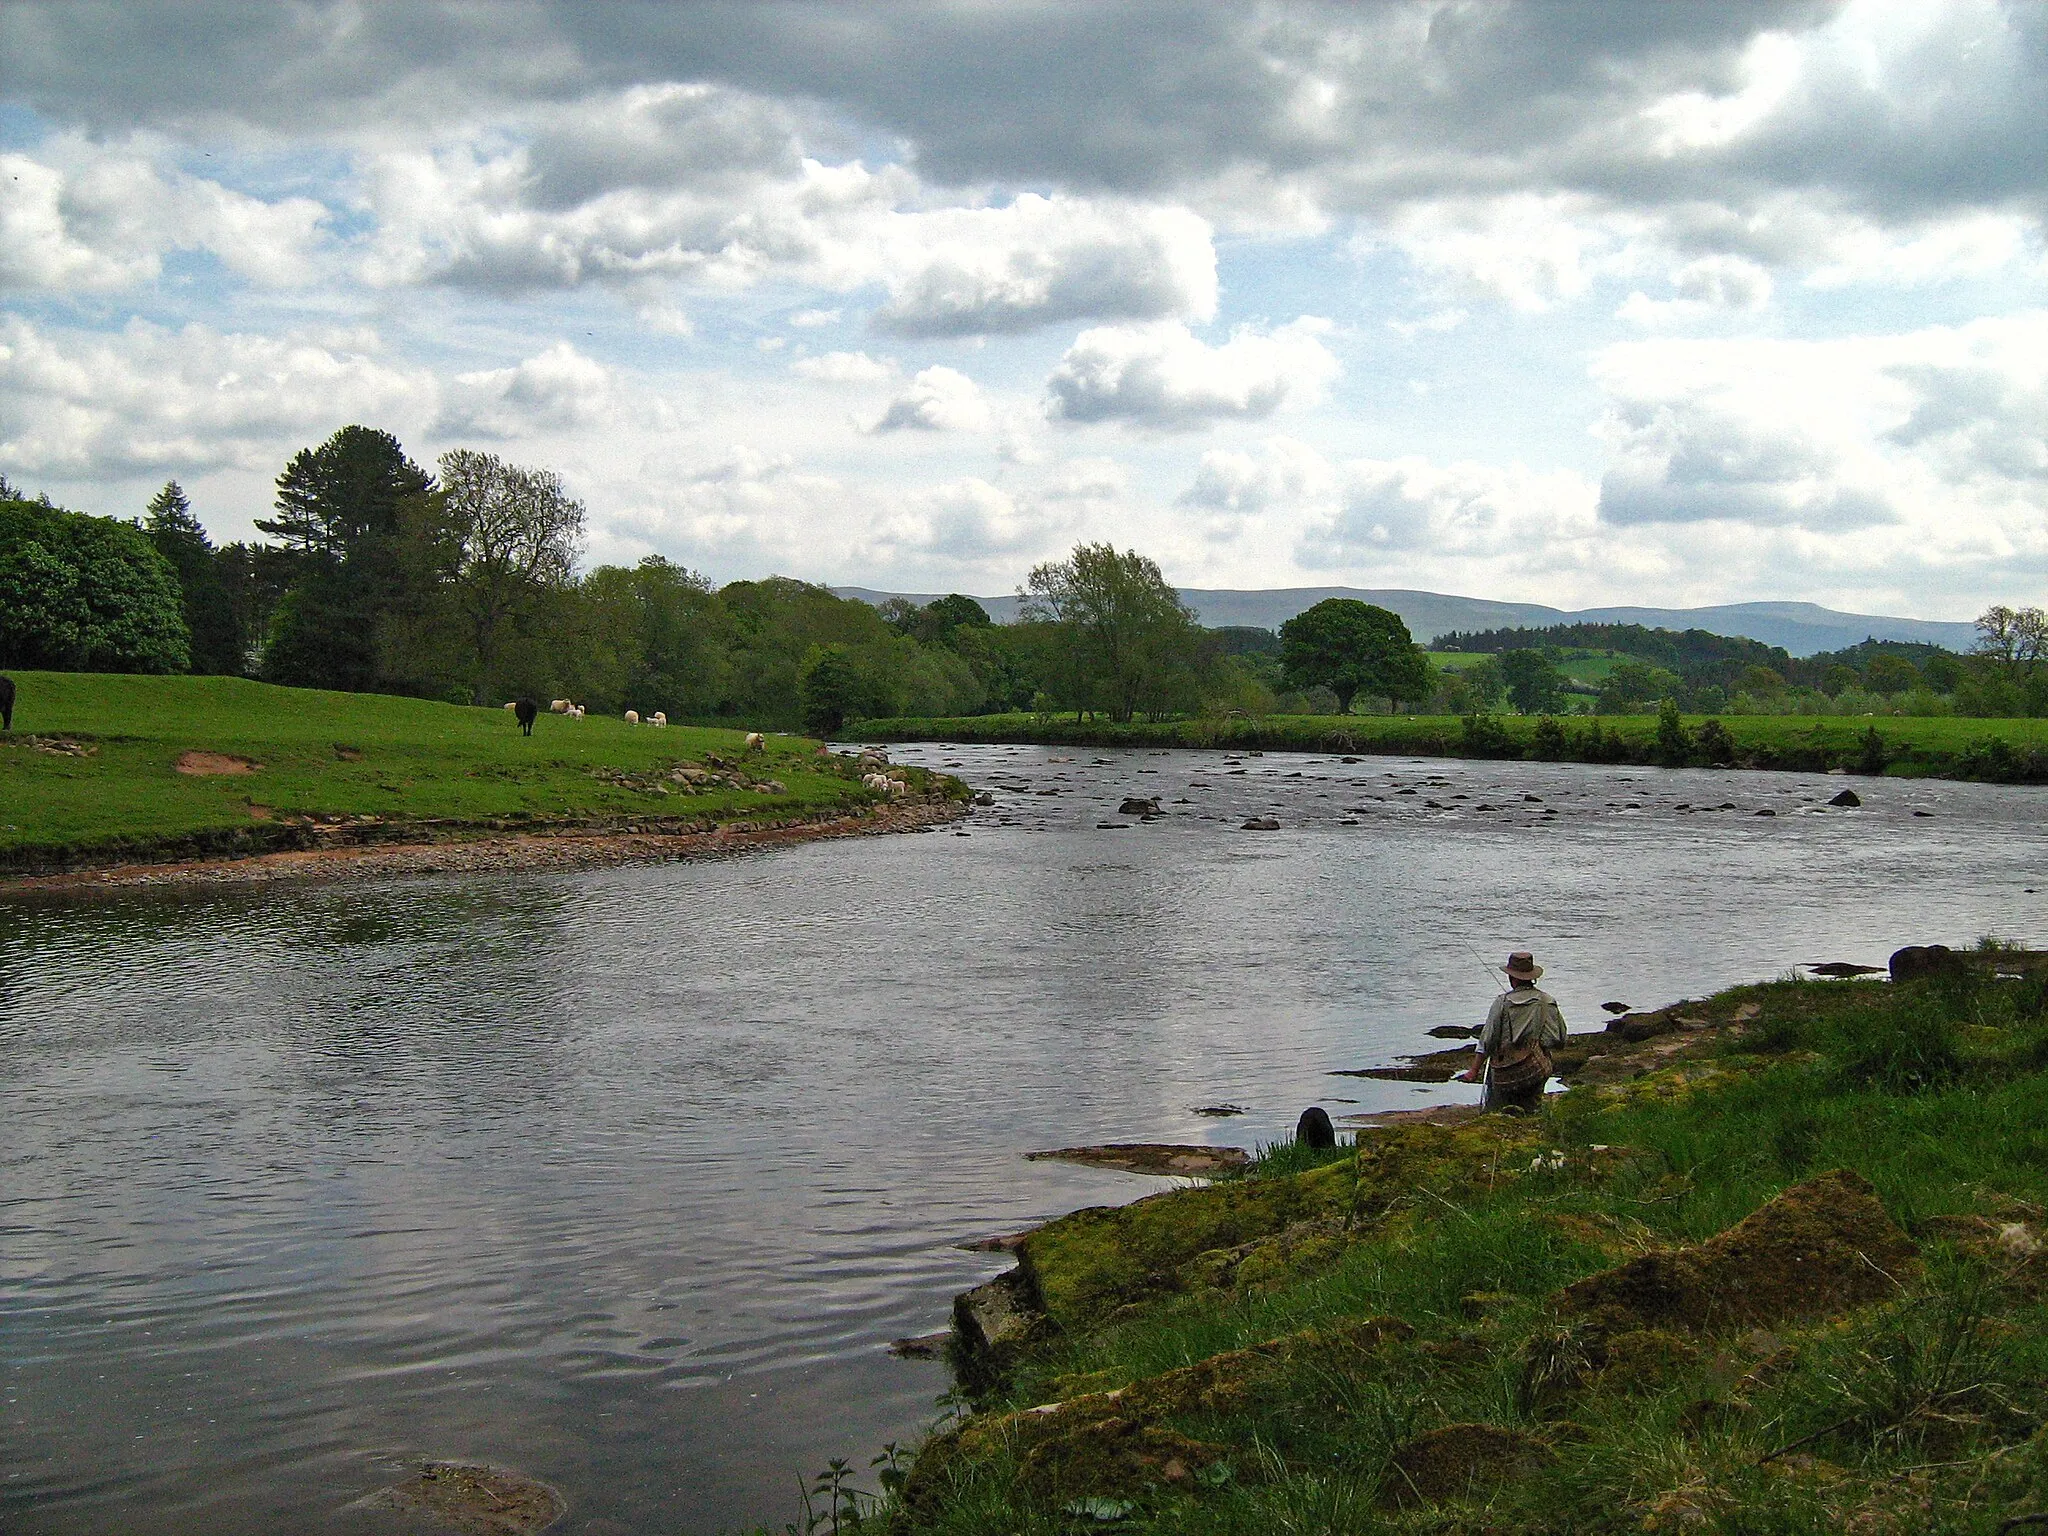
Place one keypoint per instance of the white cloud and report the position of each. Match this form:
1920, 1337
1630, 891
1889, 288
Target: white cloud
79, 217
1409, 505
938, 399
557, 389
1940, 435
811, 319
1709, 286
965, 522
75, 405
845, 368
1162, 376
1041, 261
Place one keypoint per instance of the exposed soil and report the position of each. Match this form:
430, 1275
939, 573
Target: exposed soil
441, 851
200, 764
475, 1500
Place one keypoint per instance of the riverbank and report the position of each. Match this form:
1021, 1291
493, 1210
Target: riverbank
116, 770
1989, 751
468, 852
1774, 1263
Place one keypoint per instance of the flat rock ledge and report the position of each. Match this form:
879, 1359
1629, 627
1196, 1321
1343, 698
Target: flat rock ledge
1148, 1157
469, 1499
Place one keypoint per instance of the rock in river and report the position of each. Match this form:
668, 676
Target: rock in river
1148, 1157
1261, 824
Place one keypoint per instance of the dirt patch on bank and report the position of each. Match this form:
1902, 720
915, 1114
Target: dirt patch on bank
203, 764
441, 851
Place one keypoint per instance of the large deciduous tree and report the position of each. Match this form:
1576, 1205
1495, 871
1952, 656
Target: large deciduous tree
1535, 685
512, 535
1350, 647
1128, 634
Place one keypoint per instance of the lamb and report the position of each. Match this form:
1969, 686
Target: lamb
632, 717
756, 742
659, 717
576, 711
878, 782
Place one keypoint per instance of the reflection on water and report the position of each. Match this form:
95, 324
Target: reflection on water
624, 1178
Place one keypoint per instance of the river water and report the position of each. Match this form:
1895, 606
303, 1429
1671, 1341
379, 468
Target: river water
625, 1178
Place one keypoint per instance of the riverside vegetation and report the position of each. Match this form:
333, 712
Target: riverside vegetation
1775, 1263
107, 767
2013, 751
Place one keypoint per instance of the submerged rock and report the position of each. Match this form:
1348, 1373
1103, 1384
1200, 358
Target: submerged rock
1136, 806
1260, 824
473, 1500
1148, 1157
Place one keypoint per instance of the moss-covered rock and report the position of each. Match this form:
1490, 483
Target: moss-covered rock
1112, 1458
1820, 1247
1462, 1461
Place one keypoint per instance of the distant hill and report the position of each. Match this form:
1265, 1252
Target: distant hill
1801, 628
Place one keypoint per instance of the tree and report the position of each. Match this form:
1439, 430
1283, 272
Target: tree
514, 534
1534, 684
830, 690
1634, 683
2014, 639
1126, 630
338, 517
85, 594
1350, 647
219, 645
1891, 674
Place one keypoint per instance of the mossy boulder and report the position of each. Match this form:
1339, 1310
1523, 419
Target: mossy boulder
1819, 1248
1462, 1461
1088, 1266
1112, 1458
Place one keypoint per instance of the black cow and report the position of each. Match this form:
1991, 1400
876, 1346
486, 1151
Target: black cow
524, 712
6, 703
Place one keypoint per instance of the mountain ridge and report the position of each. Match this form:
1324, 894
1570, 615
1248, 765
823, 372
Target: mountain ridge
1801, 628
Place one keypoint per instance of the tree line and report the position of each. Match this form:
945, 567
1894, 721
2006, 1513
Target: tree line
462, 583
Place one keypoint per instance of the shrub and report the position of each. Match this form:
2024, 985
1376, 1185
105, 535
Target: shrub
1712, 746
1674, 743
1550, 745
86, 594
1485, 736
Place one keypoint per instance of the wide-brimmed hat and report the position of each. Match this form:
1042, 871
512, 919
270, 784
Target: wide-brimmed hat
1522, 966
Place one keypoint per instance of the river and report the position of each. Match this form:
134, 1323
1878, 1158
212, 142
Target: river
626, 1177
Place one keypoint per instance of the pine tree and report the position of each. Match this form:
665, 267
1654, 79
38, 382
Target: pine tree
217, 638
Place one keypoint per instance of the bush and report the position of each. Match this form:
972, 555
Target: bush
1485, 736
1550, 745
86, 594
1712, 746
1871, 755
1674, 743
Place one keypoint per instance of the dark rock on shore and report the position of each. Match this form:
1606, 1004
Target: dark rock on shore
1916, 962
1842, 969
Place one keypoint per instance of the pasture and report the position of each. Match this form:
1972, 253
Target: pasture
94, 760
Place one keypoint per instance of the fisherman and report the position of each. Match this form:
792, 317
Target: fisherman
1521, 1029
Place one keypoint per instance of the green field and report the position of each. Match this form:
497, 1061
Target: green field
1591, 668
90, 769
1996, 751
1776, 1268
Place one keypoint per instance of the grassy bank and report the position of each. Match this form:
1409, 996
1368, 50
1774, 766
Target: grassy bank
90, 772
1776, 1268
1995, 751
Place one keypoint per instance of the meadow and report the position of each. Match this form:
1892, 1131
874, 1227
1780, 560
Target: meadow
90, 770
1996, 751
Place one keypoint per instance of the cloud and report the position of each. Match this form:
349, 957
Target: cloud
966, 521
1708, 286
76, 405
811, 319
1941, 430
1161, 376
845, 368
81, 218
938, 399
557, 389
1041, 261
1409, 505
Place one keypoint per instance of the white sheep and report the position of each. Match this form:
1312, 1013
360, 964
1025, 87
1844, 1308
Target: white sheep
511, 705
632, 717
560, 707
659, 717
756, 742
878, 782
576, 711
898, 789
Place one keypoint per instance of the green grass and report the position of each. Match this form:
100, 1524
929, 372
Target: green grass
1999, 751
1916, 1413
342, 755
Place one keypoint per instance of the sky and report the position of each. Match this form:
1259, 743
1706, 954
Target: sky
1567, 303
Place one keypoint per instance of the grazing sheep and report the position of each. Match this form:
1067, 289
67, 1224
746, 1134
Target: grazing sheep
898, 789
525, 711
632, 717
756, 742
878, 782
6, 703
576, 711
560, 707
510, 706
659, 717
